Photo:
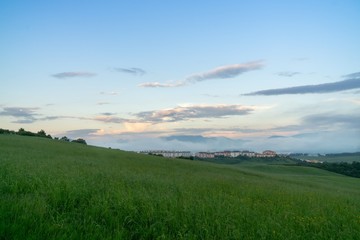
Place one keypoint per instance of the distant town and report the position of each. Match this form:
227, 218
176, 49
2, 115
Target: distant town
227, 154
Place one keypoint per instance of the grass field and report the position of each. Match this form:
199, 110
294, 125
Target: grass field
59, 190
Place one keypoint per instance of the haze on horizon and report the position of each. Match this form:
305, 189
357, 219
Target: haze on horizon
197, 76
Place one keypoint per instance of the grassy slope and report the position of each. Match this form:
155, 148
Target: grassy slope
59, 190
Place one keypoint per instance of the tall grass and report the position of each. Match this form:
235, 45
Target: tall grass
59, 190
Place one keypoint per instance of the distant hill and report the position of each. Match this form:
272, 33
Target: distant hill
343, 154
334, 157
63, 190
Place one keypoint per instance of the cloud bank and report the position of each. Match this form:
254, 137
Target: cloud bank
73, 74
348, 84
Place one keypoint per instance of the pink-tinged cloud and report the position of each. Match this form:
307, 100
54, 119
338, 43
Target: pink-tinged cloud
73, 74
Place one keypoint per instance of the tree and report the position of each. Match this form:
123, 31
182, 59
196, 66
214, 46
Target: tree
41, 133
64, 138
21, 131
80, 140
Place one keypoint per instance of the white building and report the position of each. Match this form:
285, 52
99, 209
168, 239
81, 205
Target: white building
204, 155
168, 154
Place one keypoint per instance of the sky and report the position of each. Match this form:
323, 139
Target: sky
184, 75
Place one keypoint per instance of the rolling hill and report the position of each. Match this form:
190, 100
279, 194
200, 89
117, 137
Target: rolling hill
59, 190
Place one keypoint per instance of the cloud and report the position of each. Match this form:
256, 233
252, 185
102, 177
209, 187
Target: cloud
187, 138
109, 119
192, 112
327, 121
276, 136
102, 103
322, 132
24, 115
109, 93
132, 71
228, 71
80, 133
223, 72
333, 120
162, 85
108, 114
287, 74
73, 74
352, 75
211, 95
348, 84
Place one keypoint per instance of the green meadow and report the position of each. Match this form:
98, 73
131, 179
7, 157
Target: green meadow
59, 190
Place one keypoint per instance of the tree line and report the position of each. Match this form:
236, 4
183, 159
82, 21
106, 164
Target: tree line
41, 133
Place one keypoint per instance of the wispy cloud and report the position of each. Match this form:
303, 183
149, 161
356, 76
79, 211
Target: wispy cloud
223, 72
287, 74
109, 93
102, 103
352, 82
109, 119
211, 95
108, 114
133, 71
73, 74
228, 71
162, 85
182, 113
26, 115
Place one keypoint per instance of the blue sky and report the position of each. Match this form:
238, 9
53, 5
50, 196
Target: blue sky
185, 75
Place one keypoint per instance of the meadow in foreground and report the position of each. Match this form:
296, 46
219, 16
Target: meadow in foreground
58, 190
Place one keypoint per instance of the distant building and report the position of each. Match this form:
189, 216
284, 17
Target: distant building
222, 154
247, 153
227, 154
312, 161
168, 154
267, 153
204, 155
235, 154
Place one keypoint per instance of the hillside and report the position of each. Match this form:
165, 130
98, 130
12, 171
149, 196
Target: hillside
59, 190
